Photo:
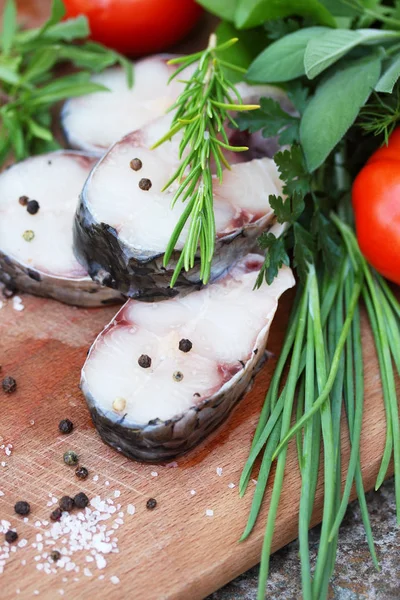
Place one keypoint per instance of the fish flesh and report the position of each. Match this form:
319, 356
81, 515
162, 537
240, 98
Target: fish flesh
163, 375
38, 199
124, 219
95, 121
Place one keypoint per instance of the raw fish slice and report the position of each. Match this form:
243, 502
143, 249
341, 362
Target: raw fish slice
36, 249
159, 411
95, 121
122, 230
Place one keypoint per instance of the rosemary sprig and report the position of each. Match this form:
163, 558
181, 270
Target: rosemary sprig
201, 112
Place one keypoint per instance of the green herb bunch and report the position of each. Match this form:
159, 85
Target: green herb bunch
339, 62
28, 89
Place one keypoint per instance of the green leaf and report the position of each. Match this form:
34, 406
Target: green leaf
9, 25
298, 95
275, 257
78, 84
73, 29
283, 60
390, 76
324, 51
9, 76
335, 106
271, 120
250, 13
38, 131
293, 171
304, 249
278, 28
249, 44
340, 8
42, 61
225, 9
57, 13
328, 239
288, 210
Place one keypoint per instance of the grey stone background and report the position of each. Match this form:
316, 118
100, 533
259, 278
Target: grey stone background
355, 577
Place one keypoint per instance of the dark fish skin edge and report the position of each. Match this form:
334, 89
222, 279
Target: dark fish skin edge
76, 291
161, 441
141, 275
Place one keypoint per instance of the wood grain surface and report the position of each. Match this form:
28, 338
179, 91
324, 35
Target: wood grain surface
174, 552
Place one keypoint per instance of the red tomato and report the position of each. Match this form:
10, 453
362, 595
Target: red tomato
136, 27
376, 203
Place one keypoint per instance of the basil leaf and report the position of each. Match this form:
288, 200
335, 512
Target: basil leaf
221, 8
284, 59
335, 106
250, 13
325, 50
9, 25
389, 77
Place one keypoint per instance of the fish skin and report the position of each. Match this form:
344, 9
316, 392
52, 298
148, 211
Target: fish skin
161, 440
141, 274
75, 290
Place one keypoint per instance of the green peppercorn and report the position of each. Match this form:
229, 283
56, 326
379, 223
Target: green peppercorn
71, 458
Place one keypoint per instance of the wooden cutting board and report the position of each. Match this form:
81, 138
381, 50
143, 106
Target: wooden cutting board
176, 551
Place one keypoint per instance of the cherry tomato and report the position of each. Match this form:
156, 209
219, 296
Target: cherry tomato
376, 203
136, 27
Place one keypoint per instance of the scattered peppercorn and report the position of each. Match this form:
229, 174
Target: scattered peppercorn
185, 345
81, 472
136, 164
11, 536
144, 361
55, 555
28, 235
151, 503
81, 500
196, 394
56, 514
23, 200
119, 404
145, 184
177, 376
71, 458
9, 385
32, 207
66, 503
65, 426
22, 508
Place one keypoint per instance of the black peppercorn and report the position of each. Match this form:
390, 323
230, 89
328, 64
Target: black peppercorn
55, 555
65, 426
23, 200
81, 500
185, 345
145, 184
71, 458
177, 376
81, 472
136, 164
32, 207
11, 536
151, 503
9, 385
22, 508
66, 503
144, 361
56, 514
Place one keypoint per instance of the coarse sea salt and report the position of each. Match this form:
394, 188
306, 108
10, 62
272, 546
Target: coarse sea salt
193, 492
219, 471
17, 303
114, 579
209, 512
130, 509
231, 485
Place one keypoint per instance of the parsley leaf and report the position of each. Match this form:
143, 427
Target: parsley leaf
275, 257
272, 120
298, 95
293, 171
288, 210
304, 249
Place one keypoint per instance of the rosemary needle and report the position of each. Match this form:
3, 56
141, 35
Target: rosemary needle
200, 116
